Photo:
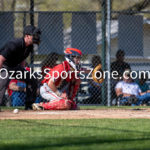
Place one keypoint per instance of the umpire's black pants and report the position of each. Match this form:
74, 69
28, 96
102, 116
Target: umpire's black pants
31, 82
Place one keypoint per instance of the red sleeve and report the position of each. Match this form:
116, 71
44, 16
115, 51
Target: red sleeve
27, 68
11, 81
56, 73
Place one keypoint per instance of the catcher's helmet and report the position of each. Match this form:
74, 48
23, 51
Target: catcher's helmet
70, 53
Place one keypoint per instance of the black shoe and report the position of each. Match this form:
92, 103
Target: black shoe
28, 107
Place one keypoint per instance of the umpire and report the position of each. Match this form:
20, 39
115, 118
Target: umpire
12, 54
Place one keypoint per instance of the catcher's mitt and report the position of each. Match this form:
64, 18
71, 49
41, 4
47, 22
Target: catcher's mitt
97, 74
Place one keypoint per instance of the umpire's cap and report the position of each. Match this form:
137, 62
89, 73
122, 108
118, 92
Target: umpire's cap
32, 30
29, 30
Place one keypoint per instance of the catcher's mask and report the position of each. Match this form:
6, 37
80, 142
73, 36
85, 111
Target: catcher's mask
36, 39
97, 74
70, 53
37, 36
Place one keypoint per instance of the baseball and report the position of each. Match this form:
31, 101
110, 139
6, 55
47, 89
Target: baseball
15, 111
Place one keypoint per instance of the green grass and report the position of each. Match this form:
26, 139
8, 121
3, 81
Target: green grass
86, 134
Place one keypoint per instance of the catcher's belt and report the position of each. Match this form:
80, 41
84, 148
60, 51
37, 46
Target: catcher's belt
97, 74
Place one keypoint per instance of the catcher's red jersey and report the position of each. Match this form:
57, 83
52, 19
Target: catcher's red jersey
58, 72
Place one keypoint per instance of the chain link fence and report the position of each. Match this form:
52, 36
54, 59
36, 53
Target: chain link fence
83, 30
129, 50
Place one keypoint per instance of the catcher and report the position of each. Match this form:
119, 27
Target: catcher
58, 92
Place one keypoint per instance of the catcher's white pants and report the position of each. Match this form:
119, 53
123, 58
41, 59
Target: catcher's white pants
47, 93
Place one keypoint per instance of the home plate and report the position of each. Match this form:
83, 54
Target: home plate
49, 113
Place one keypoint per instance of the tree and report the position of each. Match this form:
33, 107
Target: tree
135, 8
2, 5
13, 5
138, 6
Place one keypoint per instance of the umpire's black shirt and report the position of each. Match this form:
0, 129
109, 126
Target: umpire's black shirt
15, 52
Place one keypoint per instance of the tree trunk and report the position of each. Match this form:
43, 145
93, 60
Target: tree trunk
13, 5
136, 8
2, 5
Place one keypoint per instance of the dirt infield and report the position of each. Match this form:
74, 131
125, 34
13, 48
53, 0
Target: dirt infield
77, 114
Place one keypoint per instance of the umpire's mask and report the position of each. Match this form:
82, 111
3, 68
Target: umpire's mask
36, 39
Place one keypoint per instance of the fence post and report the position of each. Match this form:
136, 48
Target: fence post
108, 51
32, 23
24, 20
103, 48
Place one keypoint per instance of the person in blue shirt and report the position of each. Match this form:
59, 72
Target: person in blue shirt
142, 83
